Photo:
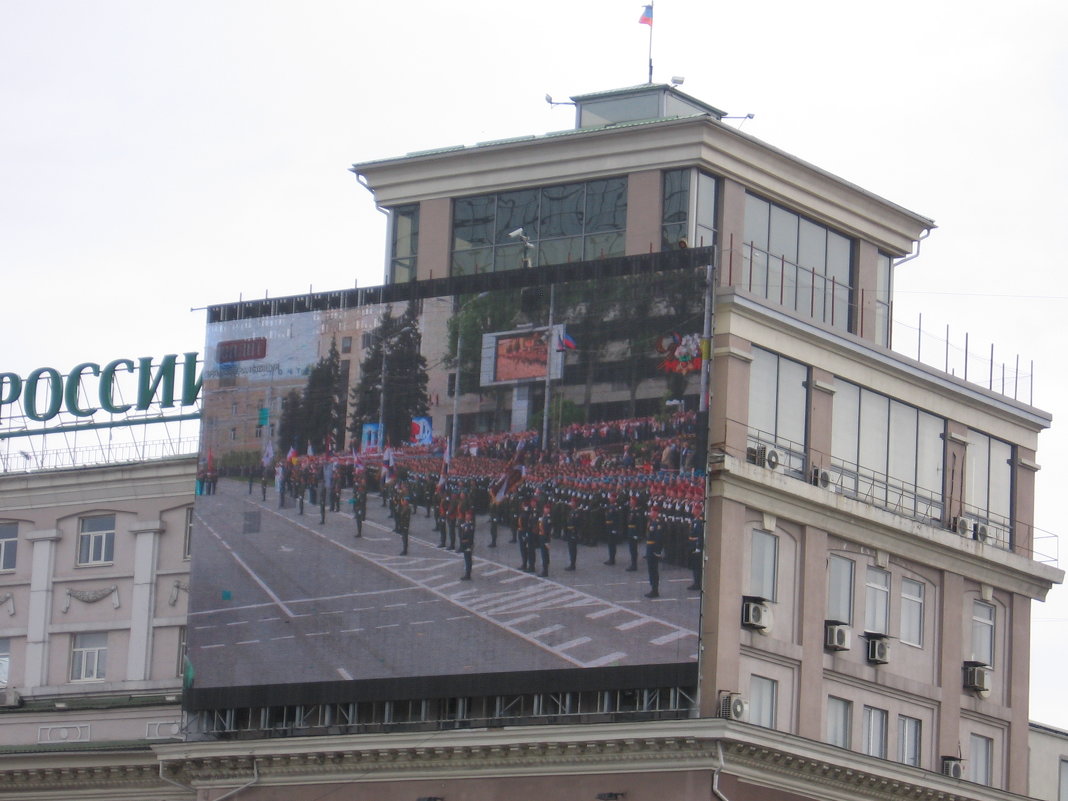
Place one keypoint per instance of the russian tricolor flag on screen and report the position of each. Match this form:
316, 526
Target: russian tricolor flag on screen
647, 16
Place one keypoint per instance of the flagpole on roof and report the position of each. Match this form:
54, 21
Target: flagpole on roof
647, 19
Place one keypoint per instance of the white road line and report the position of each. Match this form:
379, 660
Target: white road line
420, 622
246, 642
513, 579
572, 643
546, 630
215, 645
344, 674
252, 575
517, 620
633, 624
286, 637
350, 631
317, 633
607, 659
604, 613
237, 623
388, 626
669, 638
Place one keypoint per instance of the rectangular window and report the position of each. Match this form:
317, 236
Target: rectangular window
912, 612
910, 740
88, 657
96, 540
5, 660
180, 669
980, 759
762, 700
403, 244
1062, 794
875, 732
187, 534
778, 403
764, 553
8, 542
346, 344
983, 622
877, 601
840, 589
839, 716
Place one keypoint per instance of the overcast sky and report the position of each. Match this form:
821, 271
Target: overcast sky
157, 157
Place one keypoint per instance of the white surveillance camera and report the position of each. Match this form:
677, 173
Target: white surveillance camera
516, 234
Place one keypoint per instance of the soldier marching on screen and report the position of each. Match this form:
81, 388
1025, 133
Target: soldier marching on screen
636, 521
615, 525
402, 522
359, 504
525, 524
654, 551
545, 533
467, 542
571, 532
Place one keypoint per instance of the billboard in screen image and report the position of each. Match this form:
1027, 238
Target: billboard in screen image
330, 563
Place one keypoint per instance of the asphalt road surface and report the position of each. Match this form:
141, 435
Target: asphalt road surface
277, 597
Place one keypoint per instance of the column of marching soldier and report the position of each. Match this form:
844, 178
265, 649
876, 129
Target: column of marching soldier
622, 517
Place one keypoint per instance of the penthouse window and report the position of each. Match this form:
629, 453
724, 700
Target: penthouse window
777, 411
689, 210
565, 223
988, 493
797, 263
886, 452
403, 244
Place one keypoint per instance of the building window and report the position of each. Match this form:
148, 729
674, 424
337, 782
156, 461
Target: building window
1062, 794
96, 540
762, 699
877, 601
565, 223
884, 287
910, 740
797, 262
688, 195
233, 434
981, 760
887, 452
875, 732
984, 617
988, 491
8, 543
403, 244
839, 718
187, 533
346, 344
88, 657
840, 589
764, 552
778, 401
5, 660
912, 612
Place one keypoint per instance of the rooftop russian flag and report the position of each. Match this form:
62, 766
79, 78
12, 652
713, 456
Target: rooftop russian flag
647, 16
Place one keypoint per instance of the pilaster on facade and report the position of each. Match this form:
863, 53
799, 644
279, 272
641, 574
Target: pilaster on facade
39, 611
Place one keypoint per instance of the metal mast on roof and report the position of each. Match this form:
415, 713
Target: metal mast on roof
647, 19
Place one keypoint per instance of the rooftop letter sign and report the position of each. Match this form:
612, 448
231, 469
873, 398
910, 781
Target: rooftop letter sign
137, 391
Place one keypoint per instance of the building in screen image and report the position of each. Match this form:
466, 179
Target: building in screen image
614, 489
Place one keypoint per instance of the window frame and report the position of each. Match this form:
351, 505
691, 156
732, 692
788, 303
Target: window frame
833, 611
763, 705
9, 542
876, 724
913, 608
980, 759
5, 661
96, 547
187, 533
984, 624
844, 710
763, 582
910, 740
88, 660
877, 600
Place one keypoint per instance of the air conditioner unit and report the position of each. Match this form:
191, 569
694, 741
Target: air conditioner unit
733, 707
878, 651
10, 697
755, 615
837, 637
981, 532
757, 456
963, 526
976, 677
952, 767
820, 478
772, 460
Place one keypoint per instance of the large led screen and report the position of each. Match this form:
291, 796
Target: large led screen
368, 521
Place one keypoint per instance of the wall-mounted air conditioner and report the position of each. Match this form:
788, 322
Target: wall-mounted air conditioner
952, 767
757, 456
981, 532
963, 526
976, 677
733, 707
878, 651
756, 614
837, 636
